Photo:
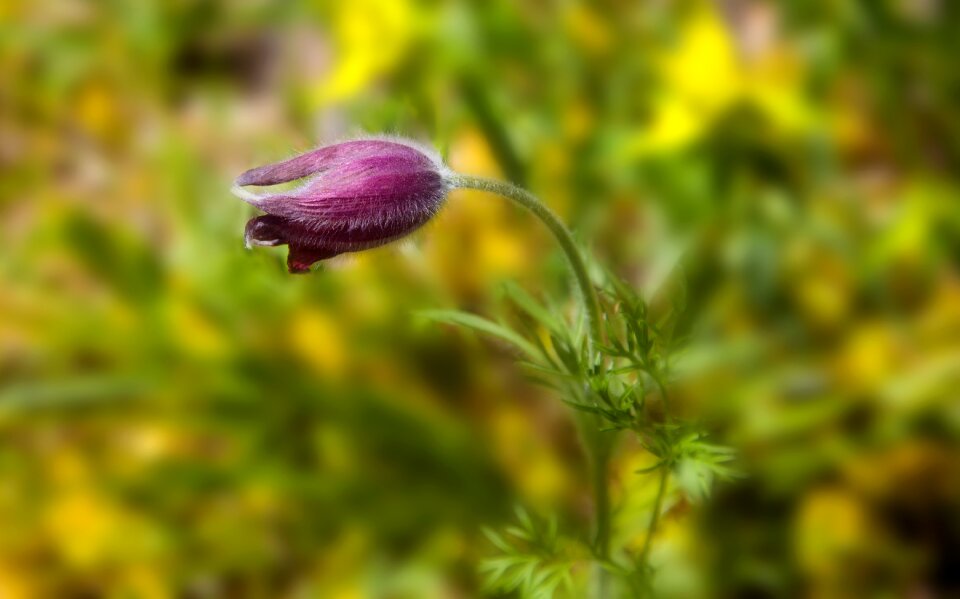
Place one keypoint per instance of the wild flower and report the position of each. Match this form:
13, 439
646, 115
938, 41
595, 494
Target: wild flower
614, 372
355, 195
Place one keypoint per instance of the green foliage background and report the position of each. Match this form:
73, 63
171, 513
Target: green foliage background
181, 418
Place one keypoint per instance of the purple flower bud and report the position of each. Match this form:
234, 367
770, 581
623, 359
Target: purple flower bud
357, 195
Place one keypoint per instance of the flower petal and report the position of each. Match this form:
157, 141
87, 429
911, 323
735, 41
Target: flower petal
301, 257
357, 195
329, 158
306, 246
292, 169
266, 230
386, 195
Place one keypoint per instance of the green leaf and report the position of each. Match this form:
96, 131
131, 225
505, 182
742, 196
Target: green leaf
528, 304
483, 325
79, 391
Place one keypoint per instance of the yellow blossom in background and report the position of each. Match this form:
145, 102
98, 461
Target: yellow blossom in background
700, 76
98, 111
774, 86
87, 529
349, 591
318, 341
832, 532
66, 466
474, 228
10, 10
147, 443
578, 121
705, 73
370, 37
676, 552
674, 125
14, 584
500, 252
634, 496
703, 70
903, 241
528, 458
197, 333
552, 162
869, 357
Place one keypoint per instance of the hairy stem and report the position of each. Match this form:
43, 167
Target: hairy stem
598, 445
588, 294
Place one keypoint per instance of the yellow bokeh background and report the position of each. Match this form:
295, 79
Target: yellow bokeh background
179, 417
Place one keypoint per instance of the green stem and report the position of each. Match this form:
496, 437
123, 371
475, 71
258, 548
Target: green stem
598, 445
529, 201
600, 460
655, 516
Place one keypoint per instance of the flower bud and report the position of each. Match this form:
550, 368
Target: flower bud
356, 195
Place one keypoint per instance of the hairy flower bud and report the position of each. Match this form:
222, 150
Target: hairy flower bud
356, 195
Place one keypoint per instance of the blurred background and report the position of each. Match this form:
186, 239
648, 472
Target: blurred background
181, 418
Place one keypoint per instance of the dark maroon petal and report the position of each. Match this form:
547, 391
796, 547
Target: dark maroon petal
265, 230
305, 247
301, 258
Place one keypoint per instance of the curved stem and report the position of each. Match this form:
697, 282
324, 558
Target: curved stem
529, 201
597, 444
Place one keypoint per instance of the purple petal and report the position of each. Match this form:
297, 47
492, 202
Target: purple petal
375, 195
323, 159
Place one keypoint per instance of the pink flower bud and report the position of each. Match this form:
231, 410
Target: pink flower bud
356, 195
